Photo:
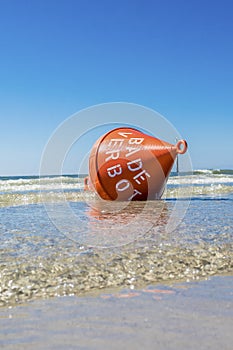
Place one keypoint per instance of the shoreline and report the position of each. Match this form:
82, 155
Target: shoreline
41, 279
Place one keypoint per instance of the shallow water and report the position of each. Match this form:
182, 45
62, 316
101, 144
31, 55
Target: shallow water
72, 244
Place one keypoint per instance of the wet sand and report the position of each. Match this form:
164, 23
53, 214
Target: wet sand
197, 315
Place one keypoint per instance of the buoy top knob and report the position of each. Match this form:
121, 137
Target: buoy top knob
181, 147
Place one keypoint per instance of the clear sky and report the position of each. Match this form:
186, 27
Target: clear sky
58, 57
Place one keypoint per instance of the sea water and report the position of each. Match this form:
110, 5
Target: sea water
57, 239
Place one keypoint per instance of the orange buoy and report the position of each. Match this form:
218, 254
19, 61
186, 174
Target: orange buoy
126, 164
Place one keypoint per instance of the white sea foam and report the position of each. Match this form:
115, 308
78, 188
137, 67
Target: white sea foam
201, 179
41, 184
21, 191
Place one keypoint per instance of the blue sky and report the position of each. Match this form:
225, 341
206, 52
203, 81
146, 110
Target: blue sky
58, 57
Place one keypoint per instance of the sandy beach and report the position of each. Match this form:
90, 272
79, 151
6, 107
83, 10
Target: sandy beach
197, 315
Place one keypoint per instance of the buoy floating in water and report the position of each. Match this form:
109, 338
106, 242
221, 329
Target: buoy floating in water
125, 164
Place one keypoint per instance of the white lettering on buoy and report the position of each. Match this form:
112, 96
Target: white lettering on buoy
136, 140
122, 185
112, 172
113, 155
124, 134
131, 151
135, 165
115, 143
135, 192
141, 177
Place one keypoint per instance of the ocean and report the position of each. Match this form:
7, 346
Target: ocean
58, 240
